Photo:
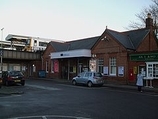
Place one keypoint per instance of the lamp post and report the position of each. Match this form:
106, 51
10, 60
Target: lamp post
1, 51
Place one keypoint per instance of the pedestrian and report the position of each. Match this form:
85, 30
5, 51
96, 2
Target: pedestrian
139, 82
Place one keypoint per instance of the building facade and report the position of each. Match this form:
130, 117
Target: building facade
67, 59
119, 56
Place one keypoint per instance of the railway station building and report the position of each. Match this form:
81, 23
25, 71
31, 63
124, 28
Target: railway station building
119, 56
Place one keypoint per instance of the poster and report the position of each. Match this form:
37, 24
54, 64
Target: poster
92, 65
105, 70
120, 70
56, 66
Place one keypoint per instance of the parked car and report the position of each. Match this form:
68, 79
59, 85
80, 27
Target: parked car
13, 77
89, 78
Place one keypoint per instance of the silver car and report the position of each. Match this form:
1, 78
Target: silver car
89, 78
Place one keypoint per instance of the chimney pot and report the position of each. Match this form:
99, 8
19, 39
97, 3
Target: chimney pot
149, 21
149, 15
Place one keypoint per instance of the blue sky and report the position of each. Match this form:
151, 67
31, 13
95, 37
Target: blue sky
67, 19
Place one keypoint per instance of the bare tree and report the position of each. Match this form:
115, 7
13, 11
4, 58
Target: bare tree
153, 10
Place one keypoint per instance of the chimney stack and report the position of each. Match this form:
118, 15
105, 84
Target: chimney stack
149, 21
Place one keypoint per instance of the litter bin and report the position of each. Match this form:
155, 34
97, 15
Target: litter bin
42, 74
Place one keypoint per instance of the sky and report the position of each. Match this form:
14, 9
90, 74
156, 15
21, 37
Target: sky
67, 19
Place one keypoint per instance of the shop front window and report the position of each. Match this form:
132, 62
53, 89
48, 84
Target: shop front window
152, 69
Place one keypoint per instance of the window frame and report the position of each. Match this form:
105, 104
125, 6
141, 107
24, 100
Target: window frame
150, 70
112, 66
47, 65
100, 65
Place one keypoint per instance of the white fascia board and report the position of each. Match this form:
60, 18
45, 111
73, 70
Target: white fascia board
71, 54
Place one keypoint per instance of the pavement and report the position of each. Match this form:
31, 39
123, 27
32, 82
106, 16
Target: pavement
115, 86
9, 90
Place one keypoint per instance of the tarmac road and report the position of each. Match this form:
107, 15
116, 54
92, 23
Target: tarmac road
47, 99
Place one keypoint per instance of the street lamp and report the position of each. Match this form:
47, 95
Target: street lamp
1, 36
1, 51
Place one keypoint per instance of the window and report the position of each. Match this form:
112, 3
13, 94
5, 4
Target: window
88, 74
81, 74
43, 44
35, 42
112, 66
46, 66
98, 74
52, 66
71, 69
152, 69
28, 42
100, 65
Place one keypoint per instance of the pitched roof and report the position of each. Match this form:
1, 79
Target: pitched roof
137, 36
129, 39
86, 43
59, 46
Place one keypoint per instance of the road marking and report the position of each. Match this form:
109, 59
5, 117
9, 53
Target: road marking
44, 117
50, 116
42, 87
9, 96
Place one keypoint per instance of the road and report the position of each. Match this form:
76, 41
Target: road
45, 99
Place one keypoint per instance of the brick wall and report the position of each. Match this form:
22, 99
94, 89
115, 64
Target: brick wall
111, 48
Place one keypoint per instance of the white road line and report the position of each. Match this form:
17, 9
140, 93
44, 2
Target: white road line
44, 117
50, 116
42, 87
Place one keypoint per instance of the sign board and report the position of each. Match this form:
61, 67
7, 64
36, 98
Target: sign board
144, 57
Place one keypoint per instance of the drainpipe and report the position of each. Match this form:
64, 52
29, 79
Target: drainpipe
68, 69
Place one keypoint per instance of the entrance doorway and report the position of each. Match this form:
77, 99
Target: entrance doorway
142, 70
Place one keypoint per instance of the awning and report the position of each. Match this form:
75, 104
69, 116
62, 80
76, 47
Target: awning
71, 54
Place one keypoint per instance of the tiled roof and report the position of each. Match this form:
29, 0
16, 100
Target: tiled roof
129, 39
122, 38
137, 36
86, 43
59, 46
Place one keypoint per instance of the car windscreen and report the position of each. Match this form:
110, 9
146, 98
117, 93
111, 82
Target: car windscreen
15, 73
81, 74
97, 74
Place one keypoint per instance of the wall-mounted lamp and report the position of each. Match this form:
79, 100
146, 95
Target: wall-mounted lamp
94, 55
105, 38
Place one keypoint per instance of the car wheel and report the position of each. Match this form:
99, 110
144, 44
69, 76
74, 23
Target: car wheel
89, 84
101, 85
23, 83
74, 82
7, 83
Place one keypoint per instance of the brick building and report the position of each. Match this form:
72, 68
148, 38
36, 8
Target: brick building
118, 55
67, 59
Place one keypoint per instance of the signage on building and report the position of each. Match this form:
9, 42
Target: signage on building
144, 57
120, 71
92, 65
105, 70
56, 66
